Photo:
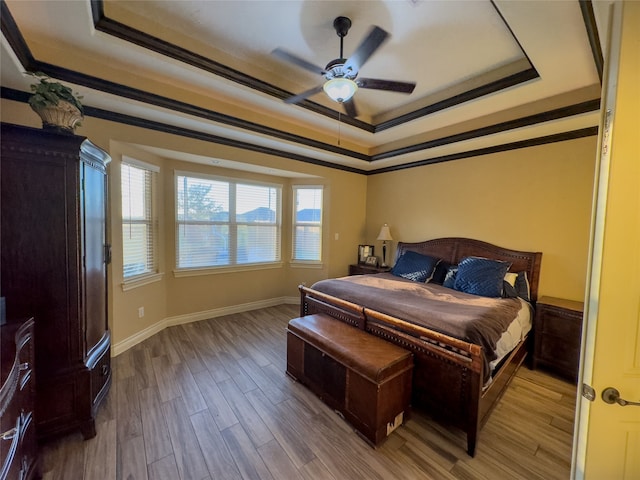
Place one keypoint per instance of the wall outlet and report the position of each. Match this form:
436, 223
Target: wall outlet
140, 312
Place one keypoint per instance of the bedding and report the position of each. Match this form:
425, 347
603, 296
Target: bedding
480, 320
515, 333
416, 267
449, 373
481, 276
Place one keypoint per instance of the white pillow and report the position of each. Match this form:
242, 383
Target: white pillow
510, 278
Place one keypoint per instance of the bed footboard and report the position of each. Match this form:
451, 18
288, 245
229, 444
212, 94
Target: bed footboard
312, 301
447, 380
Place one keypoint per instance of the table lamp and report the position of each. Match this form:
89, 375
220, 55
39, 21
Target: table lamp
385, 236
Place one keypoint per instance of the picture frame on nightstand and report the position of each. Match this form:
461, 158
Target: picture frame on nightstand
372, 261
364, 252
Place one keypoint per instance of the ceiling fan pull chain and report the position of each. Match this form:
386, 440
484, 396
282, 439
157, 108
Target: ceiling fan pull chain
339, 118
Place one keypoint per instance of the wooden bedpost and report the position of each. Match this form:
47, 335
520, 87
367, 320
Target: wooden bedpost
303, 308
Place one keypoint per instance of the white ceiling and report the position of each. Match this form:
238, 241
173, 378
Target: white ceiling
447, 47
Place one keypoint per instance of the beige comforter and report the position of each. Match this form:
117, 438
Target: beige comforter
474, 319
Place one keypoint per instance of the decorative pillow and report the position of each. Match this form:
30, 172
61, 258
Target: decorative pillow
481, 276
522, 286
415, 266
508, 290
519, 287
510, 278
450, 277
441, 272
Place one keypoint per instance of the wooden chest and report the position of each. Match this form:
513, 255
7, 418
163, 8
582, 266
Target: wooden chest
366, 379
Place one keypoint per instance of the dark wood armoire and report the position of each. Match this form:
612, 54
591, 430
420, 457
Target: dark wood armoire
54, 268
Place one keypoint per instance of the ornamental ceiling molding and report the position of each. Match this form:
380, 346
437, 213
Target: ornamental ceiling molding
103, 23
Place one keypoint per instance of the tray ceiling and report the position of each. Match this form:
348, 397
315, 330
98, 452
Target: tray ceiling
489, 75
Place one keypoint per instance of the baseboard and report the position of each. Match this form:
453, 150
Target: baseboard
136, 338
291, 300
127, 343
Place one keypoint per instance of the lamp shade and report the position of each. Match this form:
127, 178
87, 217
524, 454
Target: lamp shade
340, 89
385, 234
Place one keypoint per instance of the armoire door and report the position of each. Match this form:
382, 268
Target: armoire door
93, 217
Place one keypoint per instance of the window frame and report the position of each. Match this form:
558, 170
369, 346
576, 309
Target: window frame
153, 273
295, 223
232, 224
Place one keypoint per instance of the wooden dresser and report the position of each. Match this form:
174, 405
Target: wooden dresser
558, 330
54, 263
18, 448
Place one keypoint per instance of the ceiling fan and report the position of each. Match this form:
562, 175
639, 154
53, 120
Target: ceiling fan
341, 74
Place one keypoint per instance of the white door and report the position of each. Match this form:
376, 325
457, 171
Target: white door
607, 436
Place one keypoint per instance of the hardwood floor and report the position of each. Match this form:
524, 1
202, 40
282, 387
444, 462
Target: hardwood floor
210, 400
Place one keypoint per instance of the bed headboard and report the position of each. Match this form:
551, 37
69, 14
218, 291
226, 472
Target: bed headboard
453, 250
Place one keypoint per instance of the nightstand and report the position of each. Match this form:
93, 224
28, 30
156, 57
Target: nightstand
364, 269
558, 330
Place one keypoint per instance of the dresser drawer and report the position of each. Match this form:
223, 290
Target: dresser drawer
555, 352
10, 442
561, 324
18, 448
100, 375
19, 453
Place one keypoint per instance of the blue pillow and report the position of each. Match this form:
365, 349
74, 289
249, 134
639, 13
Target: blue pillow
450, 277
481, 276
415, 266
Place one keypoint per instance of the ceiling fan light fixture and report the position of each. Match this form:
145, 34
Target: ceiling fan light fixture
340, 89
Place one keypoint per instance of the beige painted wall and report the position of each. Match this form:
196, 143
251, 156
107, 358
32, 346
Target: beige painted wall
536, 198
345, 205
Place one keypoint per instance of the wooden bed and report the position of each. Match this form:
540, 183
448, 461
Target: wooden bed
447, 382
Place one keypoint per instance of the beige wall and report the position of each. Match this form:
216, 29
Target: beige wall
536, 198
172, 298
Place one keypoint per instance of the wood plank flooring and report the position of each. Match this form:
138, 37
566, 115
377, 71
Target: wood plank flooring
210, 400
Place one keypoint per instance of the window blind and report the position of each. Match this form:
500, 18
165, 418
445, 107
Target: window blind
222, 222
307, 223
138, 219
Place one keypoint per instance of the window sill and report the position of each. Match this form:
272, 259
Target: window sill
303, 264
196, 272
141, 281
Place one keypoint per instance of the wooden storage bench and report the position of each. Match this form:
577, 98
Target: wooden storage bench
363, 377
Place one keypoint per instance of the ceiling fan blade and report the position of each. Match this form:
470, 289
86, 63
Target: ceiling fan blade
390, 85
370, 44
290, 57
303, 95
350, 108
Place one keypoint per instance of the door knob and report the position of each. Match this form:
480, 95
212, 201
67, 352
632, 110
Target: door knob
612, 395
